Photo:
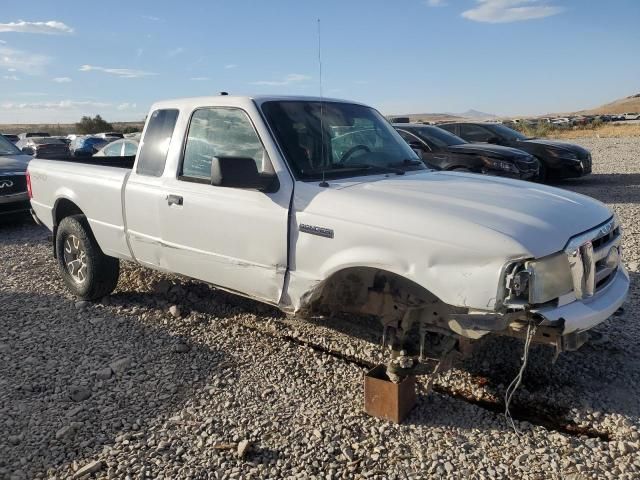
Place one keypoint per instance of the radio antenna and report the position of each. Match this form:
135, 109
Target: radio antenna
324, 182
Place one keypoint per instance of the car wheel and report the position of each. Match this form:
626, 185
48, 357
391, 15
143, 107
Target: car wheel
86, 270
461, 169
543, 174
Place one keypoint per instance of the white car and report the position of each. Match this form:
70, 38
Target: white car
268, 197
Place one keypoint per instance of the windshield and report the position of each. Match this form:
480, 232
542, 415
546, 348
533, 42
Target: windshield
46, 141
8, 148
507, 132
437, 136
354, 139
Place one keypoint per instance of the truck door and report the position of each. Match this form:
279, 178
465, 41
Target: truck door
231, 237
144, 191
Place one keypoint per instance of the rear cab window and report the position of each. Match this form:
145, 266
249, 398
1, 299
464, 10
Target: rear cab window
156, 141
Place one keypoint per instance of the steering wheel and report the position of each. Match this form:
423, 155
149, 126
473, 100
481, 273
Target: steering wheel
353, 150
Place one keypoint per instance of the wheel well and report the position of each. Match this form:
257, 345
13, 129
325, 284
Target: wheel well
64, 208
368, 291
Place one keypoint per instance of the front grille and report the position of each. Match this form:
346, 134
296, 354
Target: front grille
594, 257
12, 184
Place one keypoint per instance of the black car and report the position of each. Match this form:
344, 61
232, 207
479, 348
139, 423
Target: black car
13, 182
557, 159
12, 138
442, 150
44, 147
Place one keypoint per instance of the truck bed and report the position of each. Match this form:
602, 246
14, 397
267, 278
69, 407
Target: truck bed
95, 185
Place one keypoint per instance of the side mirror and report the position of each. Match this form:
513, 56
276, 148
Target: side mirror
239, 172
27, 150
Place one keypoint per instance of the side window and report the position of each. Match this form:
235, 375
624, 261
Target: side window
220, 132
130, 148
412, 139
475, 133
113, 150
155, 146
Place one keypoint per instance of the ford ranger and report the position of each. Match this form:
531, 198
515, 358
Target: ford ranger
318, 206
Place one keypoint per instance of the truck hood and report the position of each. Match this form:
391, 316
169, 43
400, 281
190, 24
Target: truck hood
464, 209
14, 163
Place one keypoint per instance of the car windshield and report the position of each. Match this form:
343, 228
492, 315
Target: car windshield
507, 132
46, 141
334, 139
438, 136
8, 148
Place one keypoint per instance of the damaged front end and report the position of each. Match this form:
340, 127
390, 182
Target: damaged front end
551, 301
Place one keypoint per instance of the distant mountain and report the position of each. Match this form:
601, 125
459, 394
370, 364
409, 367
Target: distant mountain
448, 117
475, 114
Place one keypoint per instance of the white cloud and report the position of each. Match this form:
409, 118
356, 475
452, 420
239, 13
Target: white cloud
436, 3
21, 61
152, 18
175, 51
139, 52
10, 77
126, 106
51, 27
230, 66
2, 42
119, 72
200, 79
505, 11
61, 105
61, 79
288, 80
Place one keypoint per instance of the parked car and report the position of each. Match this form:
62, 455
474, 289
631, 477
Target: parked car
11, 137
632, 116
13, 181
44, 147
557, 159
110, 135
87, 146
442, 150
24, 135
347, 220
119, 148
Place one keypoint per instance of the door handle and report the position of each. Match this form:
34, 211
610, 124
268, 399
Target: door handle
174, 200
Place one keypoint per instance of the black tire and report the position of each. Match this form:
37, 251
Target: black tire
543, 173
87, 272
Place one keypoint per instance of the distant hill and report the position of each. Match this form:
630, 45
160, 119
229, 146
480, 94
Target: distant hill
623, 105
59, 128
448, 117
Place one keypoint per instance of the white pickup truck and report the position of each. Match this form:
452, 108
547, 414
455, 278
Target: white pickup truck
318, 205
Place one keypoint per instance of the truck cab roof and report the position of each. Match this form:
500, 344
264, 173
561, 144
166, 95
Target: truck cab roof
238, 100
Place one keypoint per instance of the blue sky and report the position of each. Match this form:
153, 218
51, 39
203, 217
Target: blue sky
60, 60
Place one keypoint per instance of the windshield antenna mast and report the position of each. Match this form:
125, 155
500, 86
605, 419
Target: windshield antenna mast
324, 182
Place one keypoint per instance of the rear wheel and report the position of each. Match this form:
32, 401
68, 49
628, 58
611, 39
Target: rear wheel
86, 270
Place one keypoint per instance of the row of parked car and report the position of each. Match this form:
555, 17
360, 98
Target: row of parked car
44, 145
573, 120
494, 149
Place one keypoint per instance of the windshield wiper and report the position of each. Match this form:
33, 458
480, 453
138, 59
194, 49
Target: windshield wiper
407, 162
356, 167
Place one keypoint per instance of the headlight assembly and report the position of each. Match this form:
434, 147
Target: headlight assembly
539, 281
550, 278
494, 164
564, 155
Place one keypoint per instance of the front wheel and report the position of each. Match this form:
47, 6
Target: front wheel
86, 271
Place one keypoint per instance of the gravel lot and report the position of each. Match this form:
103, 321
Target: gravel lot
169, 378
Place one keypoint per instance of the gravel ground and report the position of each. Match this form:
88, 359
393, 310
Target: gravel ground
169, 378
